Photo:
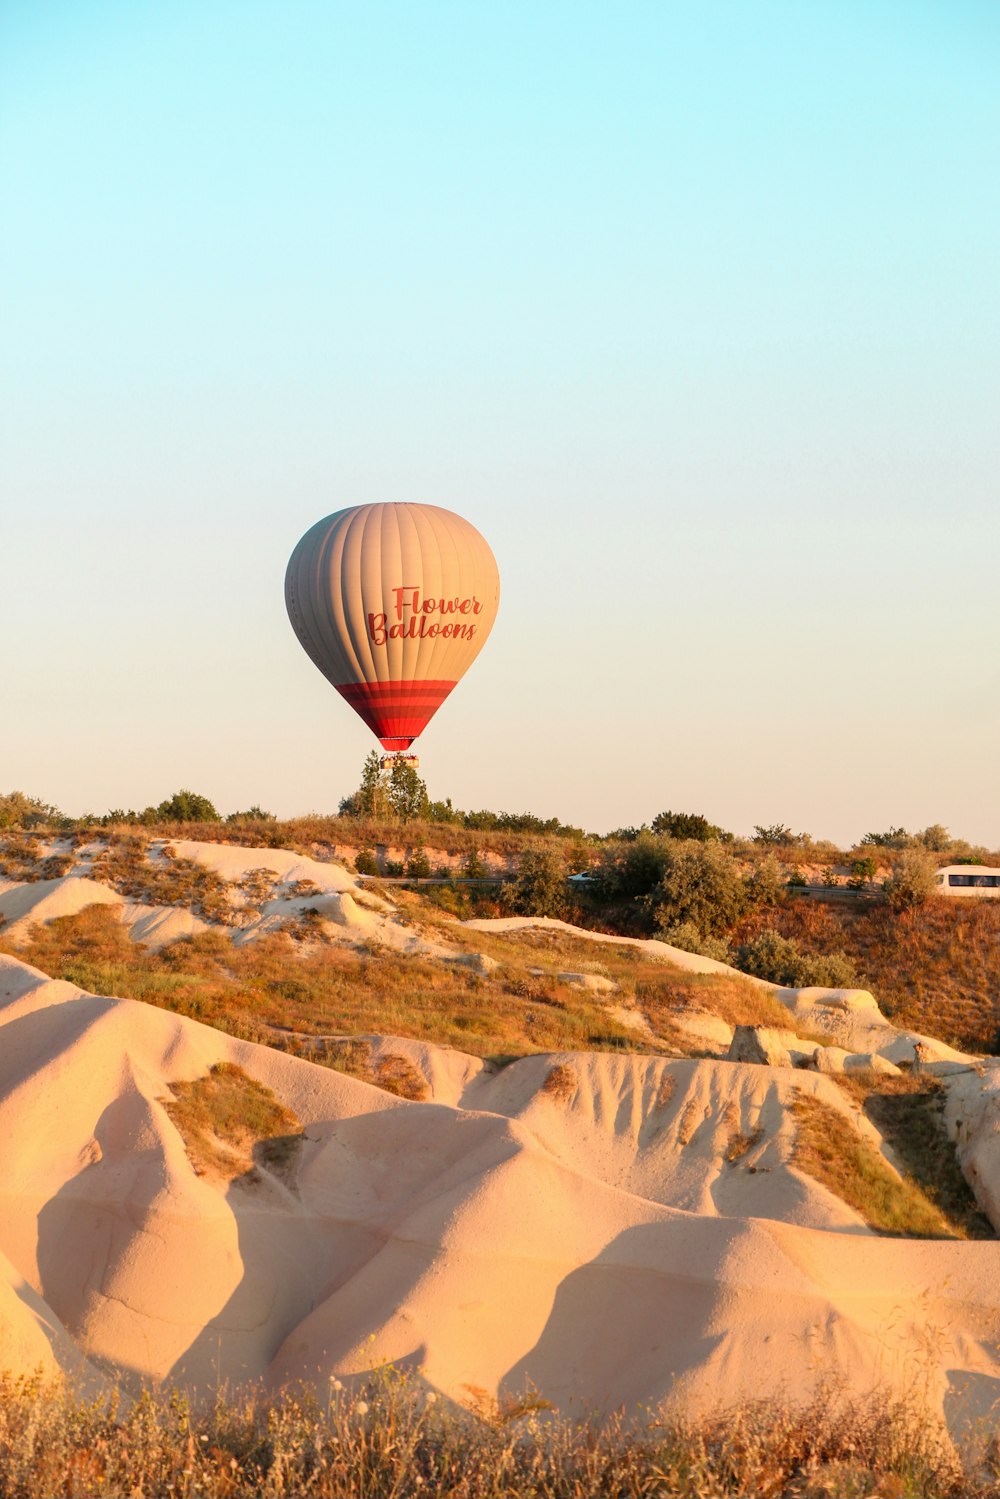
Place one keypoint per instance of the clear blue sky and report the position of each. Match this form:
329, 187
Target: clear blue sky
692, 308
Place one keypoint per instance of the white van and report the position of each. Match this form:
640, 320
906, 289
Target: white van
969, 879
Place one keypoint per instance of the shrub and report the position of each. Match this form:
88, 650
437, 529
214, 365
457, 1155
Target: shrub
632, 867
775, 834
252, 814
766, 884
892, 838
913, 879
418, 866
688, 938
781, 961
700, 884
935, 838
20, 811
540, 886
862, 873
365, 861
560, 1082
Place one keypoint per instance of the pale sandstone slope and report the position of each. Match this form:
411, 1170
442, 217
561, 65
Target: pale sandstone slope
519, 1238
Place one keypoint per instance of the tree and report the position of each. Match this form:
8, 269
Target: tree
685, 825
187, 806
372, 797
775, 834
892, 838
407, 792
540, 886
397, 794
862, 873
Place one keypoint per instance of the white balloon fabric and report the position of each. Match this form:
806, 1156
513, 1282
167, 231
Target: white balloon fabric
393, 603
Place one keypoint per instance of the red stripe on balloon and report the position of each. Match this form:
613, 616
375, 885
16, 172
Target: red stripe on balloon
396, 712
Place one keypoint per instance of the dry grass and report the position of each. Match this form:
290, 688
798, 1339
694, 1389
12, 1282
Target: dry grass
387, 1440
665, 1091
660, 991
830, 1150
908, 1112
741, 1143
230, 1123
274, 986
298, 981
935, 969
391, 1072
560, 1082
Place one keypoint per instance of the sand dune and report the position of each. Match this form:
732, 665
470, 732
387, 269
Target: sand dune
590, 1238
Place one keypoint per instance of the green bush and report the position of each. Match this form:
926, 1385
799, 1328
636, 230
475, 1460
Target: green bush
418, 866
631, 868
766, 885
781, 961
186, 806
540, 886
20, 811
688, 938
700, 884
365, 862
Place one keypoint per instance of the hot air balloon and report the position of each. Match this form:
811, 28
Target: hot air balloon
393, 603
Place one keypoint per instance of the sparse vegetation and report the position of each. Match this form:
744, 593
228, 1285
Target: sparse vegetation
391, 1072
741, 1142
831, 1151
913, 879
560, 1082
908, 1112
934, 967
230, 1124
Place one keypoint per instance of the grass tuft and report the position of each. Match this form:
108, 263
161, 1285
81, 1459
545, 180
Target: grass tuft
229, 1123
560, 1082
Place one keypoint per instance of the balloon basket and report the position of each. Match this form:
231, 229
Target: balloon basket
388, 761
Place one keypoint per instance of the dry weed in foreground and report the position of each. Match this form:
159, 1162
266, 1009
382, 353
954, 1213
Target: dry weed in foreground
392, 1438
228, 1121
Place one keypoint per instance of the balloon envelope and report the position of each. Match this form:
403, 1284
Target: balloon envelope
393, 603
